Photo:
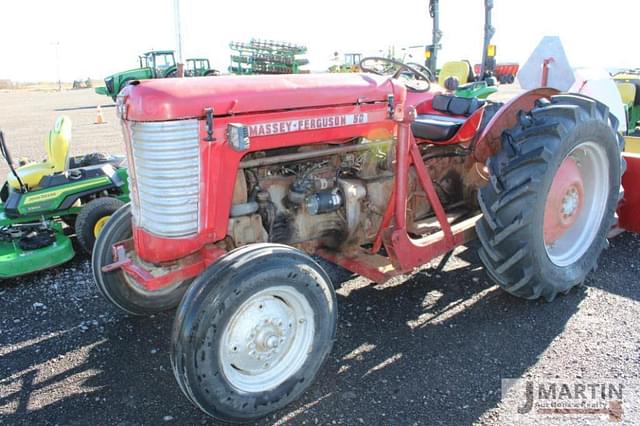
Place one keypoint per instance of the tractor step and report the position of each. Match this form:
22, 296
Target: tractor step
431, 225
15, 262
375, 267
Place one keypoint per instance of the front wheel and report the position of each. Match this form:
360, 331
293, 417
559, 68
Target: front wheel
552, 197
92, 218
253, 331
117, 286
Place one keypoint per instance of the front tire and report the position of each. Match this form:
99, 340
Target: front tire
551, 198
253, 331
117, 286
92, 218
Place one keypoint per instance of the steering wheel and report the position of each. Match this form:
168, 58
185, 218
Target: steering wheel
386, 66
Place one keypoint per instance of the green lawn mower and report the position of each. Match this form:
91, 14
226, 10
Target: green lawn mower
43, 204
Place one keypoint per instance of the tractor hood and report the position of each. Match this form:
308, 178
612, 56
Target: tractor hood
183, 98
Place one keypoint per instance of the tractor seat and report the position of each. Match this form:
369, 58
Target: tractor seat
439, 128
57, 147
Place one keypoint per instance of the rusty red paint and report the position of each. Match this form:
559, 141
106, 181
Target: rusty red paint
179, 270
545, 71
489, 142
567, 185
164, 99
219, 164
273, 107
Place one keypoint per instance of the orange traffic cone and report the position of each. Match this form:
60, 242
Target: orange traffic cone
99, 117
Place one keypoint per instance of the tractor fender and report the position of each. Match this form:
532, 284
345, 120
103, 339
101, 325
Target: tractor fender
488, 143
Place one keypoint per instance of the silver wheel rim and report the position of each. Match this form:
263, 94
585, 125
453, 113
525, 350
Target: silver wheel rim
267, 340
593, 165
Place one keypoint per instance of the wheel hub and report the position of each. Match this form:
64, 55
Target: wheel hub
576, 203
97, 228
267, 339
564, 201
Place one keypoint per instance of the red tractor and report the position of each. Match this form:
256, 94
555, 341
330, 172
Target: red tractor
237, 181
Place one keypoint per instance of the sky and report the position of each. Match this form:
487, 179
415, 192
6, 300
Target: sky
97, 38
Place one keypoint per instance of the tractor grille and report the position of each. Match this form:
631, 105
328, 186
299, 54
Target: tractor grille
167, 177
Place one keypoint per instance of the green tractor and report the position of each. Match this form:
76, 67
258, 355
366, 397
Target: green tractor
199, 67
351, 63
153, 64
42, 204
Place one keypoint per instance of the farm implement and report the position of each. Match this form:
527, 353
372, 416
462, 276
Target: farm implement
266, 57
42, 203
238, 180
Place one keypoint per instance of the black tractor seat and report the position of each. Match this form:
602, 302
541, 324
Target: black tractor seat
439, 128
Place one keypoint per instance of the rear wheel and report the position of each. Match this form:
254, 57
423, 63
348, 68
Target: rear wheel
253, 331
552, 197
117, 286
92, 218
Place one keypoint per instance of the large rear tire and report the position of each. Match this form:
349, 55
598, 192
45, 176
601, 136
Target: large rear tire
253, 331
552, 197
117, 286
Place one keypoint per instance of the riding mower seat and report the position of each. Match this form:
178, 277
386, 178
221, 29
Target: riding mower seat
629, 93
439, 128
460, 69
57, 147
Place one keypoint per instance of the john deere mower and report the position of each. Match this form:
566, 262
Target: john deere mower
43, 204
628, 83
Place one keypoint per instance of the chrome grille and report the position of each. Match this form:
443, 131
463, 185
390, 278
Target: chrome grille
167, 177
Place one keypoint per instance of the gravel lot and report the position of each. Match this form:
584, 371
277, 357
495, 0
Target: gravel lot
425, 349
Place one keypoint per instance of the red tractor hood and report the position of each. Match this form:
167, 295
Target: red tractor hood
182, 98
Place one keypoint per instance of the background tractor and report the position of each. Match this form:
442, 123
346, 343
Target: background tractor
350, 63
41, 204
199, 67
153, 64
238, 180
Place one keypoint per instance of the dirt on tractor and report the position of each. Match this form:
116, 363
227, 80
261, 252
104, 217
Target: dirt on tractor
429, 348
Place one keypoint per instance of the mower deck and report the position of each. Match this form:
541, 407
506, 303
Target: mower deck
15, 262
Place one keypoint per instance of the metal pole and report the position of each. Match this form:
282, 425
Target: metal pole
436, 35
178, 28
56, 44
489, 31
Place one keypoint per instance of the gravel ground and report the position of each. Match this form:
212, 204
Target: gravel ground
426, 349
